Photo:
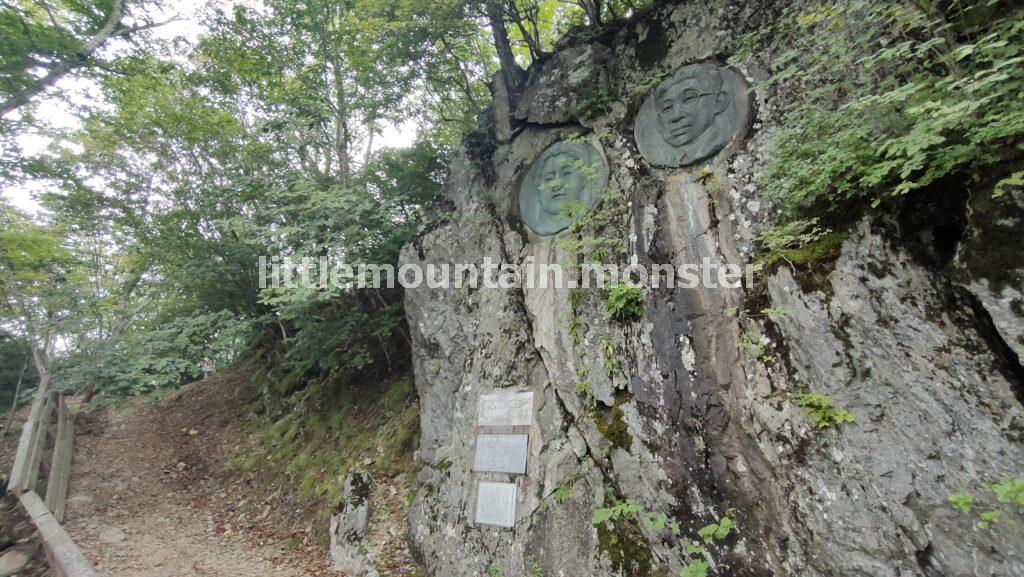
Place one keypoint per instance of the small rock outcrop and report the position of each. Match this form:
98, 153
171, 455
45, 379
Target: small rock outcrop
348, 527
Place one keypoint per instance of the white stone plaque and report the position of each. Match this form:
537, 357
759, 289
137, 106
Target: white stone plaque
506, 410
501, 454
496, 504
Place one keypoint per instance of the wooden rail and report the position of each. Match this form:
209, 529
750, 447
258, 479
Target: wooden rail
46, 446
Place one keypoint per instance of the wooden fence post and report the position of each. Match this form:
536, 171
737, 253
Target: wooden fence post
64, 557
20, 479
60, 464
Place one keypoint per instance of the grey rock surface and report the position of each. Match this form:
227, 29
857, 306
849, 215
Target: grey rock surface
934, 416
348, 526
688, 410
990, 262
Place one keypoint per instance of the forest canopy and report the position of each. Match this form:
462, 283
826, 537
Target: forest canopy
193, 139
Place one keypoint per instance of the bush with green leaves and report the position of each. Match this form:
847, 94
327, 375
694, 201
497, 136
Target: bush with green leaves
894, 98
169, 353
625, 302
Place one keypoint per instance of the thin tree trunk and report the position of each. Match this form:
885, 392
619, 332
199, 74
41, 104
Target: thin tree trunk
90, 392
371, 129
40, 357
14, 402
532, 40
342, 135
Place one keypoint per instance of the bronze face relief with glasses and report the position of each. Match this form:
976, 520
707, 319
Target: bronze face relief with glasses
691, 115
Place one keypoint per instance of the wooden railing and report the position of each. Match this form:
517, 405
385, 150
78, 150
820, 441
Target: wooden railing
45, 447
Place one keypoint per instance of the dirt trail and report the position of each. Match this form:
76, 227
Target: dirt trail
137, 510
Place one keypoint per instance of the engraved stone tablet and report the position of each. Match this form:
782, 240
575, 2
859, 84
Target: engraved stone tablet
496, 504
691, 115
562, 186
501, 454
506, 410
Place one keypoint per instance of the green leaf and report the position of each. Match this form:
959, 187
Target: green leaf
961, 501
696, 568
601, 515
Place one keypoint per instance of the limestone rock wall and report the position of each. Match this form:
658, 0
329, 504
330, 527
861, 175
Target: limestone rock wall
687, 411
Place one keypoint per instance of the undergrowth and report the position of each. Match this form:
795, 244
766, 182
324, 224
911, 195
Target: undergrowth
625, 551
333, 430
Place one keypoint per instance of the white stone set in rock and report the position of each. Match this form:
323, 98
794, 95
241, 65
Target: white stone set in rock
502, 447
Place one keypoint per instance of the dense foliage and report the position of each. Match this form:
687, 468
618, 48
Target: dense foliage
897, 98
260, 138
15, 365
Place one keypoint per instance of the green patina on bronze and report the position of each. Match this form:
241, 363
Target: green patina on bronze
691, 115
562, 186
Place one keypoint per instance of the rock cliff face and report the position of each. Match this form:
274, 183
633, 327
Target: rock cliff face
688, 410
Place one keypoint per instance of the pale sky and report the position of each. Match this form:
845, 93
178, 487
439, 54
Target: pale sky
57, 116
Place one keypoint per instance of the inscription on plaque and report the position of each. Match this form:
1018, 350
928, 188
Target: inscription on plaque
501, 454
496, 504
506, 410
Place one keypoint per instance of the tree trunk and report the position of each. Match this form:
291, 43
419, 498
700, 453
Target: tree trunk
342, 135
90, 392
510, 71
14, 402
467, 85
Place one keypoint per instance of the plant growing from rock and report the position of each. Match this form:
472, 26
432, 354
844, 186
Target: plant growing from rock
583, 389
625, 303
710, 533
608, 360
961, 501
822, 410
910, 99
758, 345
600, 235
695, 568
774, 314
575, 322
627, 508
562, 494
696, 551
1008, 490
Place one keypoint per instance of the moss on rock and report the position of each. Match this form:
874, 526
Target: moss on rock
626, 547
611, 422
